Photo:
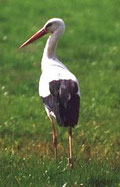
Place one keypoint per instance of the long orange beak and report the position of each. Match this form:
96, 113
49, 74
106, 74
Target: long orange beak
37, 35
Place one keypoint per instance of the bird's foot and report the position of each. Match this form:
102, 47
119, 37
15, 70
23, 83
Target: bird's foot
70, 162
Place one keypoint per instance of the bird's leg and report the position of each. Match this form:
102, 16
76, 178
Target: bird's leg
54, 137
70, 146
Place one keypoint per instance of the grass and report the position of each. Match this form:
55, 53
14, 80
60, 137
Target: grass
90, 49
31, 172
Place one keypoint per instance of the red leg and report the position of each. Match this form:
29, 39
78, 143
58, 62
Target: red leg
54, 137
70, 146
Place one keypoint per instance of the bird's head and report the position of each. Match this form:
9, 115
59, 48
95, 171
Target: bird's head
51, 26
54, 24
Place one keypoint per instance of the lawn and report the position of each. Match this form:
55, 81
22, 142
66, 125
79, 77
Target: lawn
90, 49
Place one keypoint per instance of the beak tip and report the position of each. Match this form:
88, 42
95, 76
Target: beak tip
23, 45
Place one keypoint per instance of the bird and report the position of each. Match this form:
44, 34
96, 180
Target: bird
58, 86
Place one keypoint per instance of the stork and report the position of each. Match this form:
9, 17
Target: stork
58, 87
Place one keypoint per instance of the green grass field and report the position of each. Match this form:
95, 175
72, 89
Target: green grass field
90, 48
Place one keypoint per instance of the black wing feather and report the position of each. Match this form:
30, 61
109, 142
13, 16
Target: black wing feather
64, 102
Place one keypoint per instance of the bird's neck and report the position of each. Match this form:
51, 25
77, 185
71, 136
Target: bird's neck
51, 44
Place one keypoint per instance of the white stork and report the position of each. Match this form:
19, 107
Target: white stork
58, 87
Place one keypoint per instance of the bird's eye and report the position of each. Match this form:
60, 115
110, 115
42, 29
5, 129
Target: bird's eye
48, 25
